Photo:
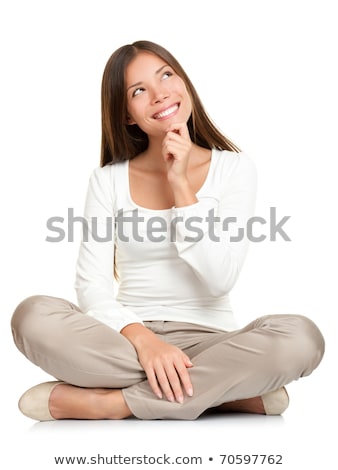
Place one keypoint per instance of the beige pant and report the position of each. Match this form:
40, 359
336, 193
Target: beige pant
71, 346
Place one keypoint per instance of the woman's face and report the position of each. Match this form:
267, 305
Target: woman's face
156, 95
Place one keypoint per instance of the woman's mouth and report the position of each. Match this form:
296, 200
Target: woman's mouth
167, 112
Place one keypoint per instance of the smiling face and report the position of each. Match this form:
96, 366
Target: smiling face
156, 95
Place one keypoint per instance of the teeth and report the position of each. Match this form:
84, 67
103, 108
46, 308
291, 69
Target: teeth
166, 112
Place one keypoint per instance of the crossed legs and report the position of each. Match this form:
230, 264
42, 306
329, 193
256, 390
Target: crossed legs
104, 380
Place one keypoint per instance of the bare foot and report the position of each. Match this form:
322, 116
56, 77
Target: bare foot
249, 405
70, 402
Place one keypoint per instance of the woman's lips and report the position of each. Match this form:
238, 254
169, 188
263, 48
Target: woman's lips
167, 112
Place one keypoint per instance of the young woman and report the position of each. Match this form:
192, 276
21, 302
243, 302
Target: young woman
166, 212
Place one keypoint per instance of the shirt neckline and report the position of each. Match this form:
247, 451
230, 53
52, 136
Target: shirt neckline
202, 188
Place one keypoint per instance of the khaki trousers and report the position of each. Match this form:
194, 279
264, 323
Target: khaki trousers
266, 354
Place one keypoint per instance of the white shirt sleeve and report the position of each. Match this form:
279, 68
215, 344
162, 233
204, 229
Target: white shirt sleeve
94, 282
217, 254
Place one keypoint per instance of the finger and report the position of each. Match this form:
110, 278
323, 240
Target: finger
179, 128
175, 384
176, 149
187, 362
151, 376
163, 381
173, 138
175, 145
185, 378
170, 150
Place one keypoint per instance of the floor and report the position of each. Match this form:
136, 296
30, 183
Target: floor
297, 439
304, 436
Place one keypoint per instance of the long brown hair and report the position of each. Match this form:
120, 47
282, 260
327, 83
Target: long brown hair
122, 141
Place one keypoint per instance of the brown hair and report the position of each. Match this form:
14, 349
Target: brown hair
121, 141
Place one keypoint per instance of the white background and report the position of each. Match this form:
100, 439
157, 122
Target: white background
266, 72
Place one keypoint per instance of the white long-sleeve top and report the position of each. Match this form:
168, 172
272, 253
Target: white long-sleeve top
177, 264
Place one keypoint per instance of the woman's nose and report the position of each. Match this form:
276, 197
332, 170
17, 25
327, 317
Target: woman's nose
160, 94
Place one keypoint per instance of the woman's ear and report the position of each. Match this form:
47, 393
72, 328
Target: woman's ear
130, 120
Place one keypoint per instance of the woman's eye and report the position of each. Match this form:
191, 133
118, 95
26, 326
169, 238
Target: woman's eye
138, 91
167, 75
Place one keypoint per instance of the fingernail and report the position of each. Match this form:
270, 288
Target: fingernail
159, 394
180, 399
171, 398
190, 392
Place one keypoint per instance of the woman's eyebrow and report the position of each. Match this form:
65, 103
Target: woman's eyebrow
135, 84
156, 73
161, 68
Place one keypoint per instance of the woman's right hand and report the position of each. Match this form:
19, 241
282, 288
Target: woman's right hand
164, 364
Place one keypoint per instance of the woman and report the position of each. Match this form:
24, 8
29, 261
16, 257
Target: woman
167, 208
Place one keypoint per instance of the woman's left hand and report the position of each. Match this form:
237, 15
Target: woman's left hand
176, 150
